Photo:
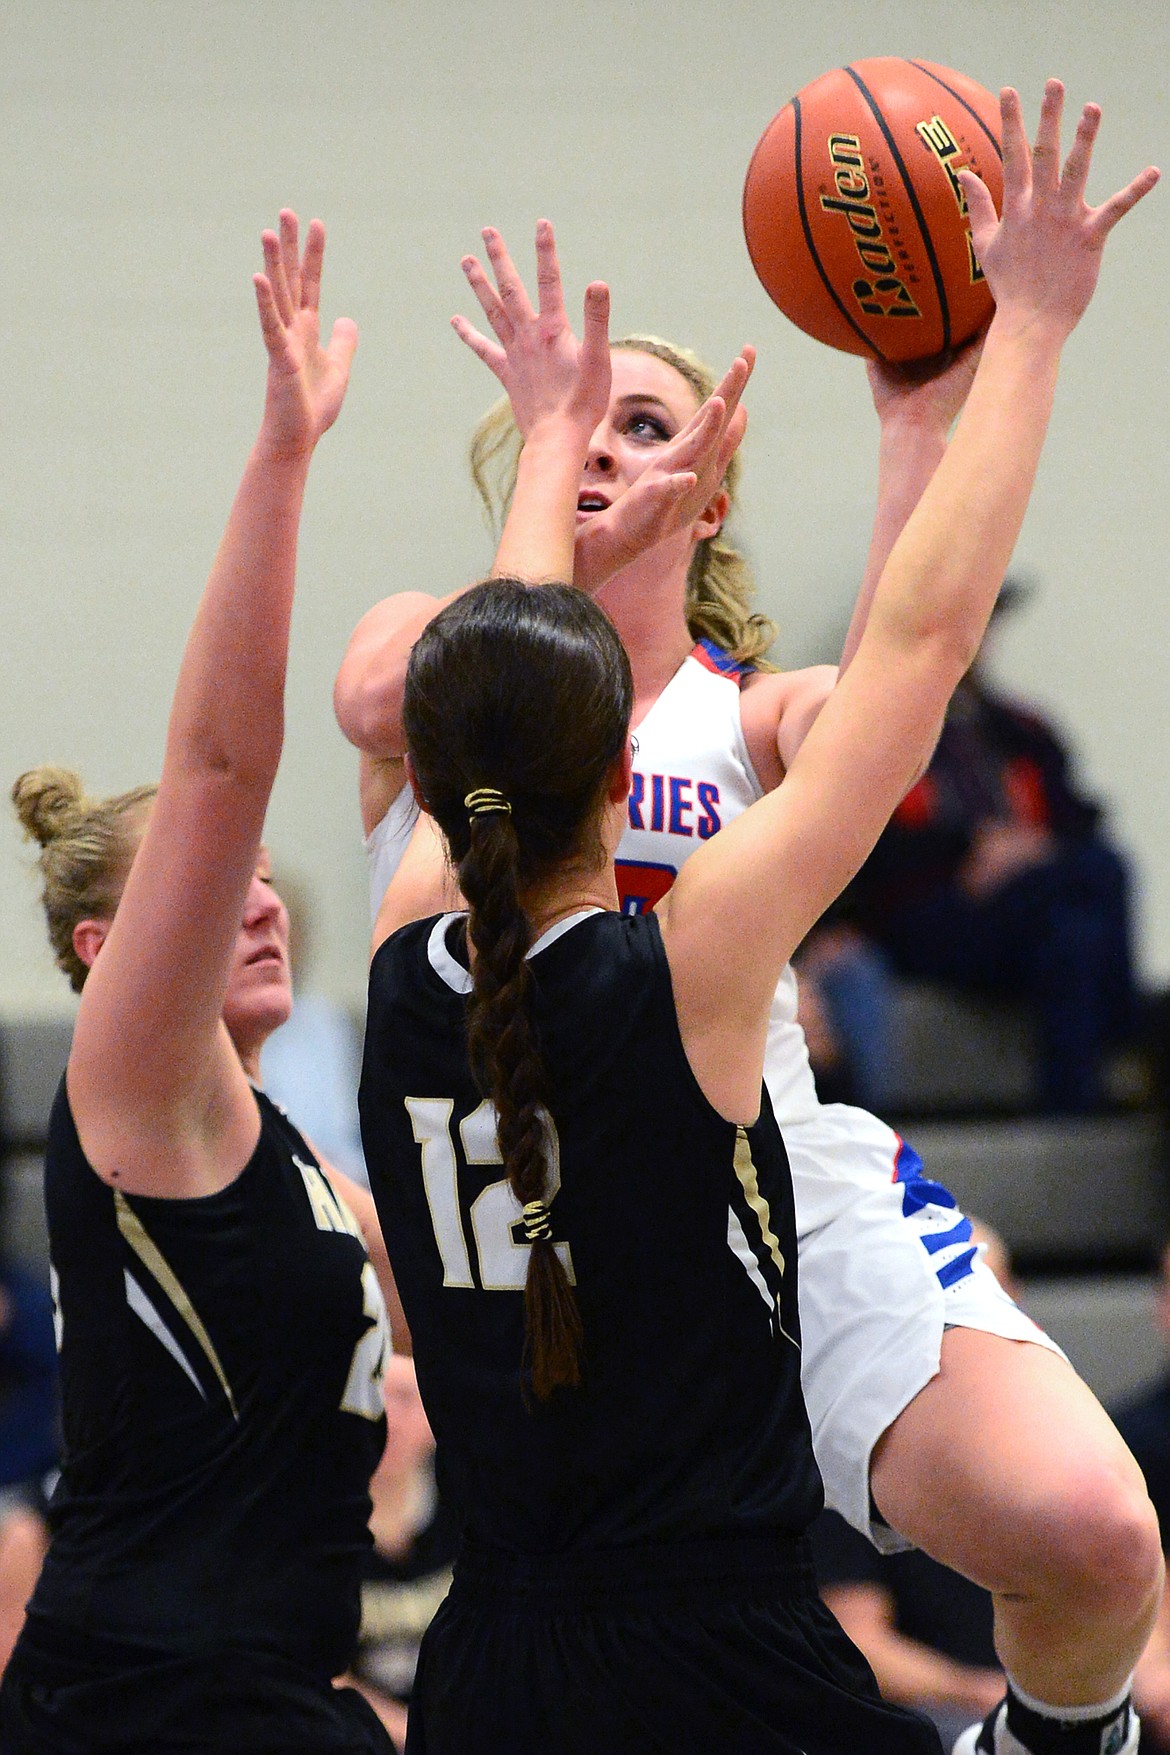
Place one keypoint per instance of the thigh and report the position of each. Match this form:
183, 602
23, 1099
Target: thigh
996, 1454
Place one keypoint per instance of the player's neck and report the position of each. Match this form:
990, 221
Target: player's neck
646, 602
567, 892
550, 908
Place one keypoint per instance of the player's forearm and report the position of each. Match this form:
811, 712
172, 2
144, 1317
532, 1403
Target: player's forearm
909, 451
538, 539
945, 570
228, 713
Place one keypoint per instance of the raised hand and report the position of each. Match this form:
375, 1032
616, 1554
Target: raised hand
1043, 258
306, 382
673, 489
545, 370
928, 393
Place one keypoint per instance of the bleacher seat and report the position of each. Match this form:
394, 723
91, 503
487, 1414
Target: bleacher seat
1107, 1328
33, 1052
1083, 1190
952, 1053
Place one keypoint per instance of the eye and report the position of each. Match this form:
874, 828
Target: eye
649, 428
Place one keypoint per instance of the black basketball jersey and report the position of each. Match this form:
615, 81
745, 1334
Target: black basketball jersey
677, 1227
221, 1365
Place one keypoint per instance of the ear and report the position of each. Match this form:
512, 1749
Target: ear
88, 938
710, 520
412, 781
622, 777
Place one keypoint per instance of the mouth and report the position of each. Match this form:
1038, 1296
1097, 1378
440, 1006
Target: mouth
264, 954
589, 502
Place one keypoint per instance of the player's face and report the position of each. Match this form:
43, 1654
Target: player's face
649, 403
259, 995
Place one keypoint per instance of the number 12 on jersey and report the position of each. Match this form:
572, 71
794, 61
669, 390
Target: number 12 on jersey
493, 1218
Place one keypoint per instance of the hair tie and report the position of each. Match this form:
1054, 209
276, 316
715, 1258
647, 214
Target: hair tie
485, 799
537, 1222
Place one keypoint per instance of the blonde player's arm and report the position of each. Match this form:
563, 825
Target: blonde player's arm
745, 900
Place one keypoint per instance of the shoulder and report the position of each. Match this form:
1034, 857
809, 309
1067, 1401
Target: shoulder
407, 947
776, 711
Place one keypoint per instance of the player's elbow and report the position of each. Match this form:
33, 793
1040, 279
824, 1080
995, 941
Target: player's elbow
368, 706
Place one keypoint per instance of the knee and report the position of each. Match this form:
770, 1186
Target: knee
1108, 1545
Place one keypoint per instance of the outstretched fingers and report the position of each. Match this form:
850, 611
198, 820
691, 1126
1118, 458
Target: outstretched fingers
661, 495
1075, 178
512, 295
274, 273
711, 437
980, 208
487, 297
735, 379
290, 254
490, 352
1046, 152
595, 332
311, 263
1105, 217
549, 291
343, 342
272, 326
1017, 155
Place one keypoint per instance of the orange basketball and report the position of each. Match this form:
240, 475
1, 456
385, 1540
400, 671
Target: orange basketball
855, 218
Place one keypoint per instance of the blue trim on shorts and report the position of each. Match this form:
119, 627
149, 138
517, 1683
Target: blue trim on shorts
920, 1192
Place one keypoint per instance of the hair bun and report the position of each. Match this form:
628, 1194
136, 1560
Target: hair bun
46, 800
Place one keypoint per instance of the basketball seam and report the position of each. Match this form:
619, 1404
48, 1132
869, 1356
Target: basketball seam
810, 242
912, 194
960, 99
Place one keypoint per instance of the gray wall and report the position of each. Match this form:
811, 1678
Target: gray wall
145, 143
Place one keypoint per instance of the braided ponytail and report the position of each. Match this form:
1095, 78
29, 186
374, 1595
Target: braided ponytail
525, 689
505, 1057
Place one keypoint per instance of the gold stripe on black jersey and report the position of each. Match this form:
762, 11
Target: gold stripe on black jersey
152, 1258
745, 1169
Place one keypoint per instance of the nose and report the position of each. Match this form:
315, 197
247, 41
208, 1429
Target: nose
600, 457
261, 904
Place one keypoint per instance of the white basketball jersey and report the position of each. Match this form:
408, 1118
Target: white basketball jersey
693, 776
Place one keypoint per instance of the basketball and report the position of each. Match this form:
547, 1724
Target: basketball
854, 215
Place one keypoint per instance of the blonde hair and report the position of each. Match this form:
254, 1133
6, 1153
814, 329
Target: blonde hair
86, 848
720, 586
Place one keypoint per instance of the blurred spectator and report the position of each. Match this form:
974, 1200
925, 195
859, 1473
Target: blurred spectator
994, 877
312, 1063
925, 1631
844, 1004
29, 1441
1145, 1425
409, 1572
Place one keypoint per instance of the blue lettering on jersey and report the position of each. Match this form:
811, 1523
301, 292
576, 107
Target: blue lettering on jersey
657, 804
637, 794
680, 807
676, 820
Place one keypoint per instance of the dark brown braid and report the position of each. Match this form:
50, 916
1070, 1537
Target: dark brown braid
526, 690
